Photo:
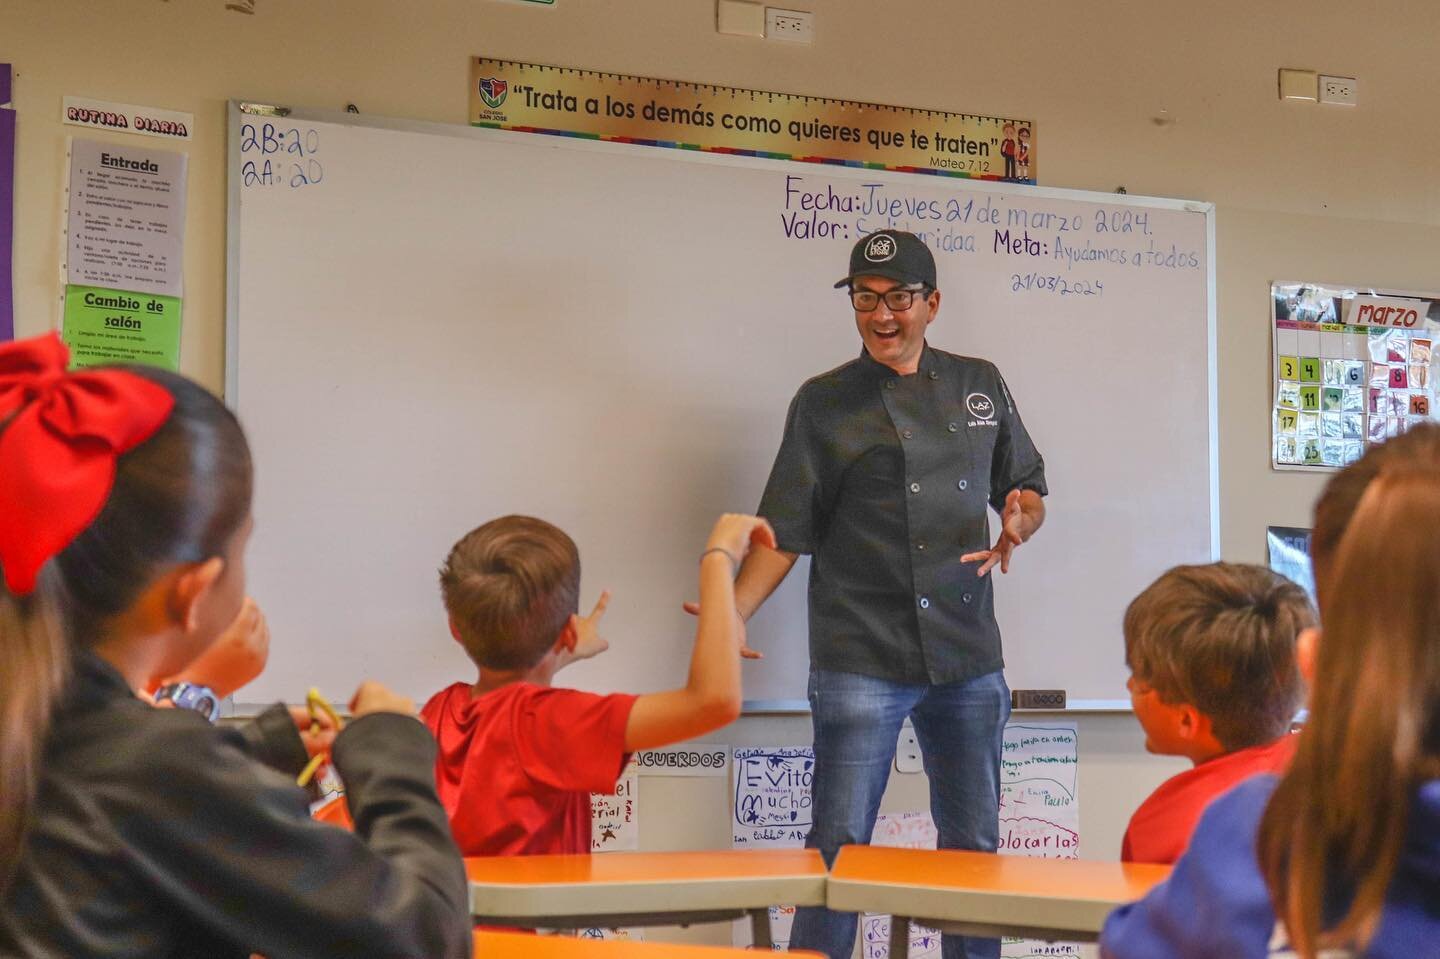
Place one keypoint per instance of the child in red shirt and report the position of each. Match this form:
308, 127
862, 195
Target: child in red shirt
519, 758
1211, 651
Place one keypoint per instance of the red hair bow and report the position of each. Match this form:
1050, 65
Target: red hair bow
59, 447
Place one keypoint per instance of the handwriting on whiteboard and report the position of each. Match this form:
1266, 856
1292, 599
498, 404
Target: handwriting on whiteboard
1047, 246
279, 155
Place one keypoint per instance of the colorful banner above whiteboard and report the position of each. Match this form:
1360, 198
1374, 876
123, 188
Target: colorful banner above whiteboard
534, 98
1351, 368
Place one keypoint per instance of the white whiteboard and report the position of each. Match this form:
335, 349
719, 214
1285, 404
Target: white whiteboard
430, 326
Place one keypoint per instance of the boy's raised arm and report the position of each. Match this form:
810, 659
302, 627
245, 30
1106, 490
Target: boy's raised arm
711, 696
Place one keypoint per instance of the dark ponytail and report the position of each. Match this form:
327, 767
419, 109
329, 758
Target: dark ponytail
178, 498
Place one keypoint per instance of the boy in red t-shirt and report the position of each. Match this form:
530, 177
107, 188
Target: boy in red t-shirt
519, 758
1211, 651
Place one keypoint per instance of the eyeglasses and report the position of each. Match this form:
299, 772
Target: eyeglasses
898, 300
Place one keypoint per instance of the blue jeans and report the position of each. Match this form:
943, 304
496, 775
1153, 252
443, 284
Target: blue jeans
857, 722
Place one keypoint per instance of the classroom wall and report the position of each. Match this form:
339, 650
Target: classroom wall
1164, 98
1303, 191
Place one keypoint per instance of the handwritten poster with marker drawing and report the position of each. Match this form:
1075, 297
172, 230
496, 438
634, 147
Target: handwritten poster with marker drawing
1039, 808
907, 830
772, 796
615, 826
614, 823
1039, 793
1039, 816
771, 810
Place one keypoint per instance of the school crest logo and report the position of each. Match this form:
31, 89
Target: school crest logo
980, 406
493, 91
881, 248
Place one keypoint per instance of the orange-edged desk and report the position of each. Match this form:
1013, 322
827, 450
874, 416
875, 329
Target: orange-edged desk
985, 894
644, 889
512, 945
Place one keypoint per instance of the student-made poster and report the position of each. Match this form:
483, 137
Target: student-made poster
1351, 368
1039, 816
613, 821
906, 830
615, 825
1039, 808
772, 796
771, 810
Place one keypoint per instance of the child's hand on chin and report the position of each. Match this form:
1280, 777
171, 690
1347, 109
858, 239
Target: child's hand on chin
372, 697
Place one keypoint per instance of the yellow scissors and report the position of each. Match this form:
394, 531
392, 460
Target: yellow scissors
317, 705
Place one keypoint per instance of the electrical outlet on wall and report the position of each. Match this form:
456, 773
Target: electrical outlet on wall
797, 26
1341, 90
907, 751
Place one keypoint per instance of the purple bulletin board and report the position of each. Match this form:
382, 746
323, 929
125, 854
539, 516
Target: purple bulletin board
7, 206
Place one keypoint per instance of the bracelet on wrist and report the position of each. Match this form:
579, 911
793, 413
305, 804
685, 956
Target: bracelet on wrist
734, 563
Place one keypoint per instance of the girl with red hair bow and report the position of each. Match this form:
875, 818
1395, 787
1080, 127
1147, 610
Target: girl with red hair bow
127, 830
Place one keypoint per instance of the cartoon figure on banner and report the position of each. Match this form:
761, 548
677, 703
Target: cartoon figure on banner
1022, 153
1007, 150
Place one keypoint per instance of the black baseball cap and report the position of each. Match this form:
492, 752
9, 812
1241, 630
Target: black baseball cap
893, 254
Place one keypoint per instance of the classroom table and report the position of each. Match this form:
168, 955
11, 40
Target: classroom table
514, 945
644, 889
985, 894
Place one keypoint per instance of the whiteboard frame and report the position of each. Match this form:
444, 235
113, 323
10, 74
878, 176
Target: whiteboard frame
238, 110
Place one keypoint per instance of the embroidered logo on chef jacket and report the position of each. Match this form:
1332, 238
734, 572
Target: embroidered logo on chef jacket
982, 408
